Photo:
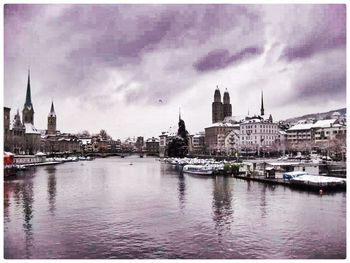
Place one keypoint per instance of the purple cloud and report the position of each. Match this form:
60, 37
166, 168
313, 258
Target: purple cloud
159, 51
219, 59
326, 31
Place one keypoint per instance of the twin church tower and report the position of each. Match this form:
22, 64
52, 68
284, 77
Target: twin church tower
222, 110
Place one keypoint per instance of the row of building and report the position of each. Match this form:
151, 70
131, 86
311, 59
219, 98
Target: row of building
21, 136
227, 135
258, 133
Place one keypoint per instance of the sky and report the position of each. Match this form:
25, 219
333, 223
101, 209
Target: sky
128, 69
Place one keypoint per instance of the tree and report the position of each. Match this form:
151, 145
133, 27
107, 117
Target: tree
103, 134
178, 145
182, 132
85, 133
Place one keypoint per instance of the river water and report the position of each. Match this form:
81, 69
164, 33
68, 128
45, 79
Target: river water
108, 208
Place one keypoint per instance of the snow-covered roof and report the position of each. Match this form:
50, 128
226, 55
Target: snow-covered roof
172, 131
253, 120
85, 140
152, 139
306, 126
318, 124
30, 129
324, 123
234, 118
198, 135
222, 124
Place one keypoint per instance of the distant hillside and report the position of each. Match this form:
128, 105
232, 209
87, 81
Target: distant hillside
318, 116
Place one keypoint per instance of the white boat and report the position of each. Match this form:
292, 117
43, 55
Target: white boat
198, 169
317, 180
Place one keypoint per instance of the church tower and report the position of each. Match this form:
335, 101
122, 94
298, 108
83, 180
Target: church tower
262, 105
51, 121
227, 107
217, 107
28, 110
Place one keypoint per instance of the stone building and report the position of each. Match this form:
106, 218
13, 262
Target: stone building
62, 143
139, 144
18, 135
221, 110
232, 143
152, 146
51, 121
319, 133
7, 128
198, 143
256, 133
23, 138
215, 136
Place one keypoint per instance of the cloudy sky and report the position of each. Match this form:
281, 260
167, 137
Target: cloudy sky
128, 68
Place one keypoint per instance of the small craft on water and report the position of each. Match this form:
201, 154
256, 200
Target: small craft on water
198, 169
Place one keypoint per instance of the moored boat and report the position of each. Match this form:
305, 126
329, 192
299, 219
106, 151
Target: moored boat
314, 181
198, 169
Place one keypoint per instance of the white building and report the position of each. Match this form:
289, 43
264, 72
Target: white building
327, 134
320, 131
232, 143
256, 132
198, 145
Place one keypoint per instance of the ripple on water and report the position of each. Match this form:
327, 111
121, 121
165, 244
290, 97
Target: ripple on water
109, 209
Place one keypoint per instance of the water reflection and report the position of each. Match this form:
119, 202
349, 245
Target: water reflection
7, 192
263, 200
219, 217
222, 209
181, 187
51, 188
248, 185
27, 203
263, 203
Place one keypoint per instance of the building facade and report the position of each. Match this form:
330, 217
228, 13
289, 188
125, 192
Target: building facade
215, 136
258, 134
23, 138
198, 143
152, 146
51, 121
7, 131
221, 110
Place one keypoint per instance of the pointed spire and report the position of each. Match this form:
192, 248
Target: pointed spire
52, 108
179, 113
262, 104
28, 95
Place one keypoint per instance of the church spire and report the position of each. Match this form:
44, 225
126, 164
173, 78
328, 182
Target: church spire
262, 104
28, 95
179, 113
52, 108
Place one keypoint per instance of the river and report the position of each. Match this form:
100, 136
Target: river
141, 208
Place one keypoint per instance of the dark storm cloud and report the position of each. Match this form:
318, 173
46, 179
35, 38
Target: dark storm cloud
218, 59
326, 30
